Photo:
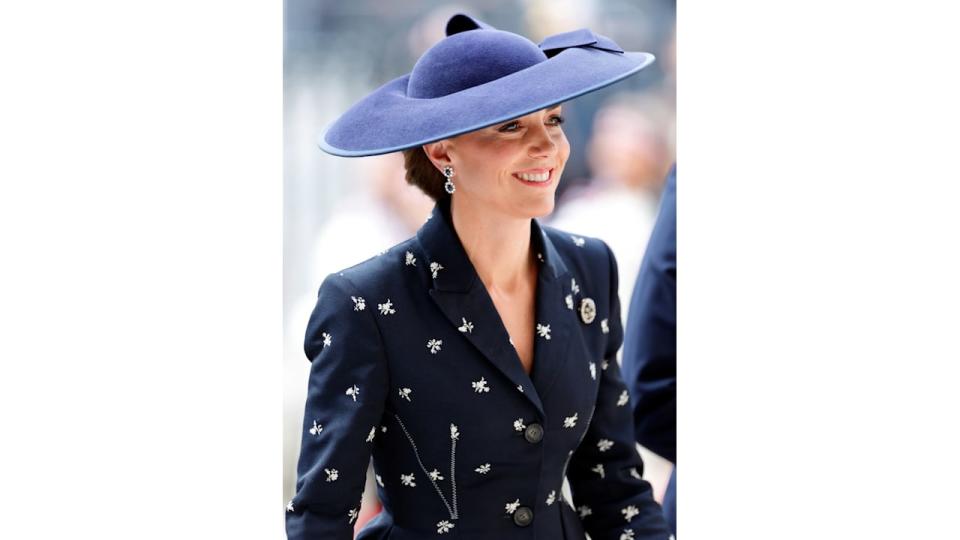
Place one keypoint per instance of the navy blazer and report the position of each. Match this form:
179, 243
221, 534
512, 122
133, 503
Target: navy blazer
650, 347
411, 364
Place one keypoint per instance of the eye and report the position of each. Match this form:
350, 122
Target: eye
557, 119
512, 126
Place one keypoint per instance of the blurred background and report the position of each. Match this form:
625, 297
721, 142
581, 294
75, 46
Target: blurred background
339, 211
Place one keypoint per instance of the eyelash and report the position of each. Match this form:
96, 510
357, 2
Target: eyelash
559, 120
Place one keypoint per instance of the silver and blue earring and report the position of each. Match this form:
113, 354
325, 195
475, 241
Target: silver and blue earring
448, 186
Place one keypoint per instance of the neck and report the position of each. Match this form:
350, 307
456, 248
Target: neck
498, 246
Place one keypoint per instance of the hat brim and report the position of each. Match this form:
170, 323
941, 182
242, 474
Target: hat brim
388, 121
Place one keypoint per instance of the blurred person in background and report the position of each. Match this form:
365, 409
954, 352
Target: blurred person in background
650, 344
486, 340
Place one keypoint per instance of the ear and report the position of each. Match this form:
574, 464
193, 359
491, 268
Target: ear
438, 154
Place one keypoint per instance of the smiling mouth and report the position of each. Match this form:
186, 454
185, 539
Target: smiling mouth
535, 178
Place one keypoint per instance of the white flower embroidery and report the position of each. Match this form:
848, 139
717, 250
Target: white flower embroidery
290, 506
519, 425
353, 392
512, 507
573, 286
623, 399
410, 260
408, 480
627, 534
316, 429
570, 421
604, 444
629, 512
584, 511
520, 388
359, 304
435, 268
569, 300
604, 326
332, 474
483, 469
480, 386
372, 434
593, 370
578, 241
327, 339
353, 514
383, 429
634, 473
543, 330
604, 365
435, 475
404, 394
599, 470
386, 308
444, 527
551, 497
466, 326
434, 345
379, 480
454, 432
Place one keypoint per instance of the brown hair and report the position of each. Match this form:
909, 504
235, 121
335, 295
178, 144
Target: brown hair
422, 173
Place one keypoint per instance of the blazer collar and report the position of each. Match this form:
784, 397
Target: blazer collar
461, 295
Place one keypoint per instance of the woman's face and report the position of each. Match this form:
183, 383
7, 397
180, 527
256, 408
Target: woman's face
511, 168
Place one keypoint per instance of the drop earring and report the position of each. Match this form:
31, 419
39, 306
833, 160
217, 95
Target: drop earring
448, 186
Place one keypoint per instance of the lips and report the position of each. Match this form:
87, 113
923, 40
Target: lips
534, 176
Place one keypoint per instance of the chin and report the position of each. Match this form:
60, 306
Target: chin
539, 208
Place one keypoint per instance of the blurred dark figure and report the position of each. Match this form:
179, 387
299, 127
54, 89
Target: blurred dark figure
649, 363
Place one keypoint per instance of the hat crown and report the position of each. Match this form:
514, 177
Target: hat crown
469, 59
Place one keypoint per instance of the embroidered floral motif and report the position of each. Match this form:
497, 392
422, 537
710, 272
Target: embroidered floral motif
604, 326
519, 425
569, 300
327, 339
444, 527
584, 511
383, 429
290, 506
353, 392
574, 288
386, 308
372, 434
629, 512
578, 241
634, 473
316, 429
332, 474
520, 388
435, 267
434, 345
512, 507
353, 514
551, 497
435, 475
466, 326
543, 330
623, 399
359, 304
570, 421
604, 365
593, 370
408, 480
409, 259
454, 432
604, 444
379, 480
627, 534
483, 469
404, 394
599, 470
480, 386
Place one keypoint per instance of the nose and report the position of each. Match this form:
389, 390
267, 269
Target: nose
541, 144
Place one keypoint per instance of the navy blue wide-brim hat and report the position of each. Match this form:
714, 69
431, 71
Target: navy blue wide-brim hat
476, 77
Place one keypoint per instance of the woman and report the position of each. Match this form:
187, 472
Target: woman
476, 361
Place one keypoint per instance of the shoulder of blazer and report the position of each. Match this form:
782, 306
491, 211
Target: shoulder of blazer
590, 259
376, 274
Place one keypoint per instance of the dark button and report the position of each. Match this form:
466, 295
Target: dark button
523, 516
533, 433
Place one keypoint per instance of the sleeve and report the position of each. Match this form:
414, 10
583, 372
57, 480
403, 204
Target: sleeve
613, 500
650, 345
346, 394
